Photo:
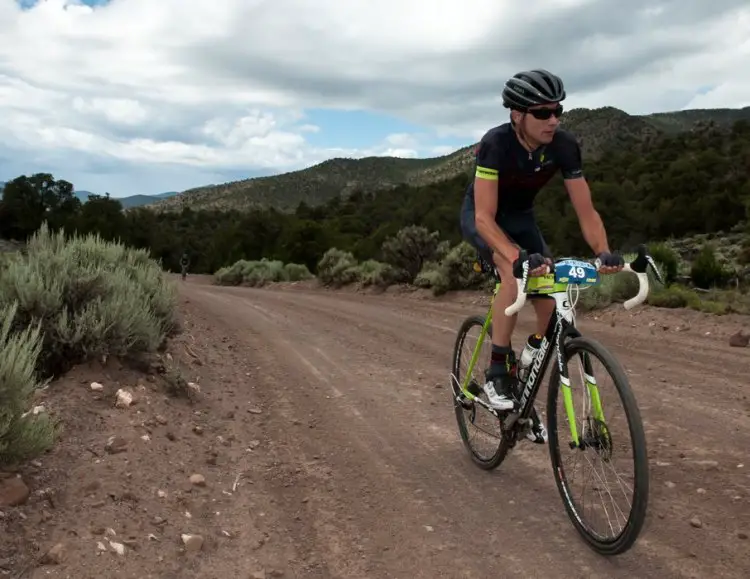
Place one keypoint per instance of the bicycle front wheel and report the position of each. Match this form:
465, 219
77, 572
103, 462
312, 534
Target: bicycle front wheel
601, 439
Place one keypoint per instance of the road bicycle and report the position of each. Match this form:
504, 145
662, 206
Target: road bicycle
566, 278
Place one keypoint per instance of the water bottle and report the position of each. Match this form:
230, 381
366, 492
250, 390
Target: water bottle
527, 355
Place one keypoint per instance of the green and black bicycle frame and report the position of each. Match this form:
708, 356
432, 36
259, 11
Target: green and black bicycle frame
560, 328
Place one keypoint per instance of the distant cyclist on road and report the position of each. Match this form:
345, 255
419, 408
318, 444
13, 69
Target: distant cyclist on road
184, 263
513, 162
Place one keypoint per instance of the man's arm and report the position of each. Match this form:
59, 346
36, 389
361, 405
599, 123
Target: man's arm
485, 200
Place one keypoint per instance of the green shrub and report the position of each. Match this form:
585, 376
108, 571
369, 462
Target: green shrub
22, 433
297, 272
454, 272
259, 273
337, 268
706, 271
91, 296
375, 273
231, 275
675, 296
668, 260
433, 276
409, 249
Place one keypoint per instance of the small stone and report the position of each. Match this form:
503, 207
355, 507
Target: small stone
696, 522
701, 491
118, 548
160, 419
742, 535
123, 398
254, 410
198, 480
97, 387
55, 556
669, 484
198, 430
116, 444
739, 340
253, 444
428, 528
13, 492
193, 543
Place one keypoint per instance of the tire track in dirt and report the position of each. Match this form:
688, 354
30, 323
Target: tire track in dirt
392, 492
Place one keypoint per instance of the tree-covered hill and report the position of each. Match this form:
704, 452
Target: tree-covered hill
599, 131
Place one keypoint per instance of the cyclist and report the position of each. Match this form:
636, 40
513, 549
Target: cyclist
184, 262
513, 162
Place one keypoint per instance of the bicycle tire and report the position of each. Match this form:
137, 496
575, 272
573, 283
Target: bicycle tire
637, 517
502, 450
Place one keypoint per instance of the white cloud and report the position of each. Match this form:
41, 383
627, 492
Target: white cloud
138, 90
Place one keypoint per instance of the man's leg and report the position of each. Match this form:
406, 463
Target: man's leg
502, 325
527, 235
502, 360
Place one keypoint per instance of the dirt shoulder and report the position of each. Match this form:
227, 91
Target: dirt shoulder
162, 488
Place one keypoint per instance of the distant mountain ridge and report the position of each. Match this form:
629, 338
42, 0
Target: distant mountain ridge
131, 200
598, 131
127, 202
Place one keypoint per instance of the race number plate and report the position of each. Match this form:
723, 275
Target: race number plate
576, 272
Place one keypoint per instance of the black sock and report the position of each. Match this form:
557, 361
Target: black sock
501, 361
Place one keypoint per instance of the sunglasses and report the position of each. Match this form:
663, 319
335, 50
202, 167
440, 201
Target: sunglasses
545, 114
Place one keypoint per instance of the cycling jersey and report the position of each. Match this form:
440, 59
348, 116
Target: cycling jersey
520, 175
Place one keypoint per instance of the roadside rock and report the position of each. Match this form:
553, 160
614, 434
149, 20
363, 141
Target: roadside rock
124, 398
55, 556
198, 480
13, 491
193, 543
116, 444
739, 340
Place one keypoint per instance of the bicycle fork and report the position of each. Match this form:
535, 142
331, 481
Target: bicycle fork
593, 391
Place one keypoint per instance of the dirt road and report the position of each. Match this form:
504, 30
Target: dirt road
323, 445
368, 478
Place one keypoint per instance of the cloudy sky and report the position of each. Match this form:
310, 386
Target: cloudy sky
146, 96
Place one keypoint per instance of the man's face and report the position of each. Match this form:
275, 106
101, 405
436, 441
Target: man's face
542, 130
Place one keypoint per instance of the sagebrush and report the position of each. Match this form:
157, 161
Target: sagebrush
92, 297
260, 272
23, 434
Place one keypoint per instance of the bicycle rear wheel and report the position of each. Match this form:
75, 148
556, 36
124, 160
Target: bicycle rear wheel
476, 423
595, 429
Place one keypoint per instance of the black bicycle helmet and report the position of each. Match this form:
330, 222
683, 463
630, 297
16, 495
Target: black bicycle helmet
532, 87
